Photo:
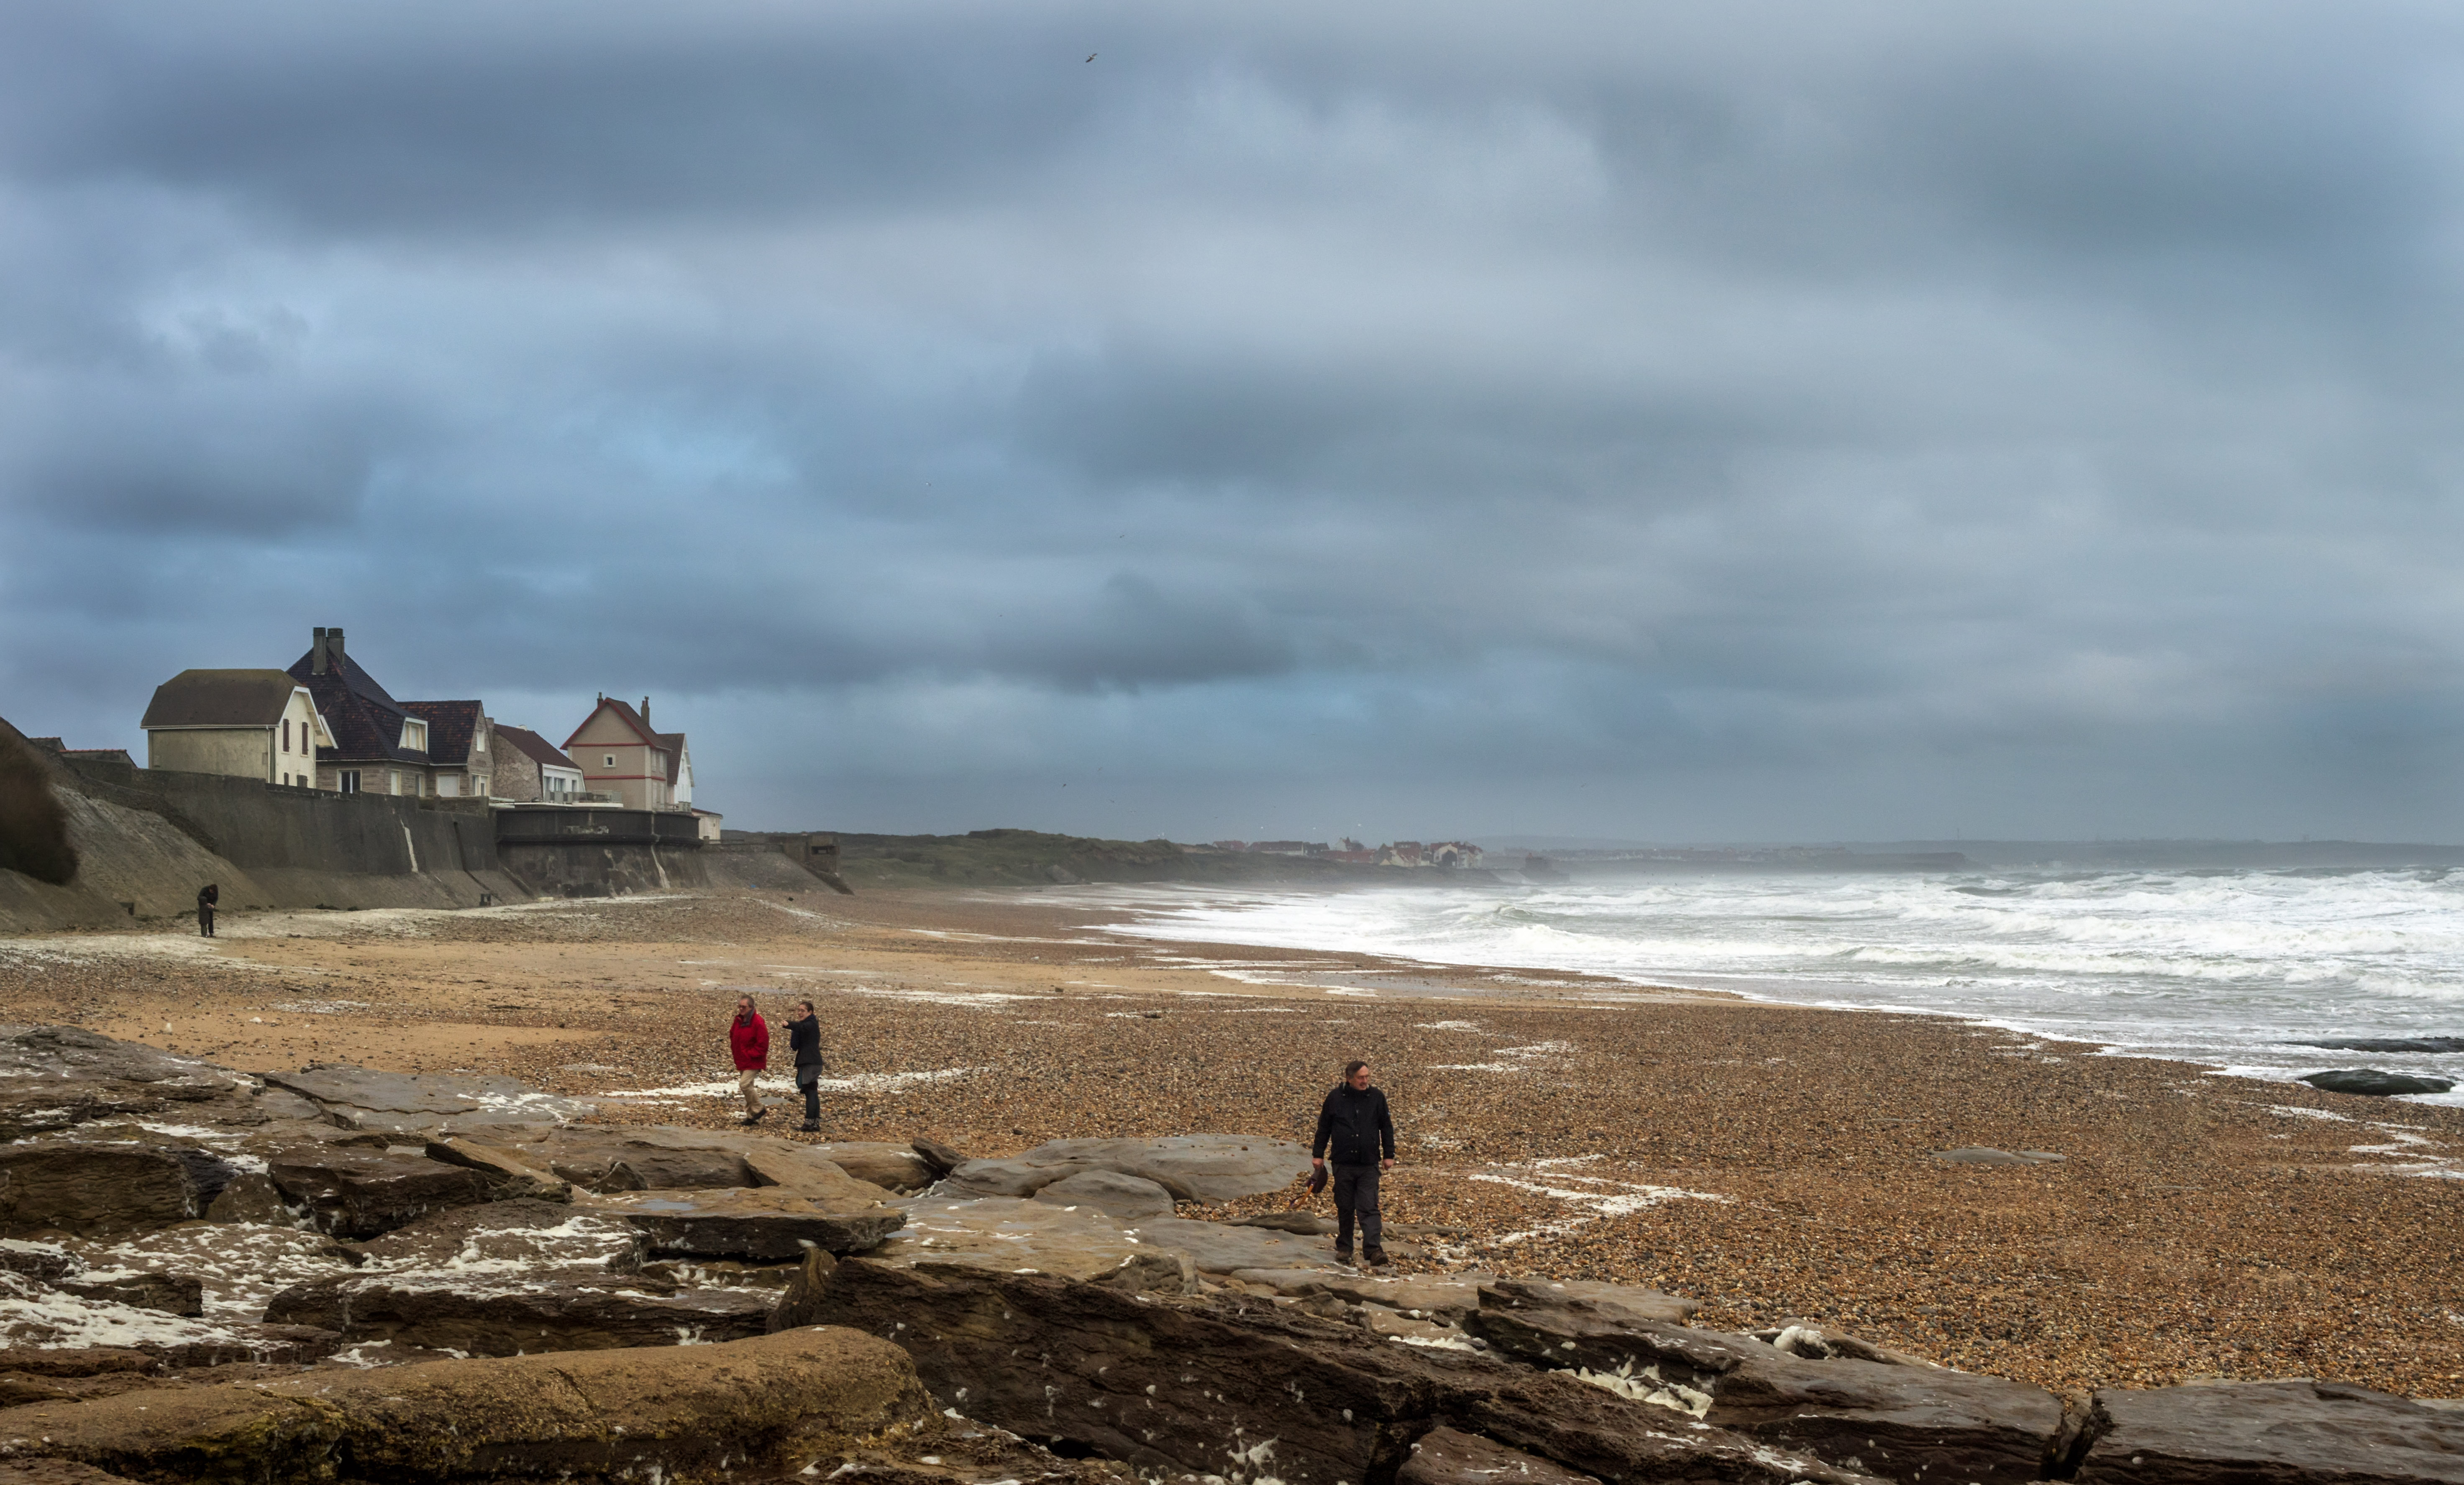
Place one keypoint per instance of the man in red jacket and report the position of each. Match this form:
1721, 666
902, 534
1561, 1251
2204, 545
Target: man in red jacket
749, 1038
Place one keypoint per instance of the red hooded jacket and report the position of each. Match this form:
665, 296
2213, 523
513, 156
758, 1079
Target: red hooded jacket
750, 1041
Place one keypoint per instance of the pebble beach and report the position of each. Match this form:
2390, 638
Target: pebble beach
1776, 1163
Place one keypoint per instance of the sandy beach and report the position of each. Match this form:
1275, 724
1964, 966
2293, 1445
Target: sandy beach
1773, 1162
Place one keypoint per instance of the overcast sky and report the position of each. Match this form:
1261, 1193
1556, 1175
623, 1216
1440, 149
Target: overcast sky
1667, 422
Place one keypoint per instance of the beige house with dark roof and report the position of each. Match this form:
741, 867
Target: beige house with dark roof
621, 757
245, 724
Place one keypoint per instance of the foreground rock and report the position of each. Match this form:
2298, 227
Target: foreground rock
1250, 1391
2372, 1082
666, 1158
760, 1224
362, 1097
1204, 1167
97, 1186
509, 1238
1126, 1197
1900, 1422
520, 1312
2275, 1433
1449, 1456
355, 1192
776, 1403
1007, 1234
54, 1078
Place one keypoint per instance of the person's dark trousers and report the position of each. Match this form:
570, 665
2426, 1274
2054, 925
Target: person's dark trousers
205, 921
1356, 1192
810, 1079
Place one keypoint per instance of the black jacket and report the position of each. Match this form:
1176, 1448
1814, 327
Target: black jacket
804, 1039
1356, 1124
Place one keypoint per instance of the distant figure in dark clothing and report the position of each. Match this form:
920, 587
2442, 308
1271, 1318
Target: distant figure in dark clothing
1354, 1128
804, 1039
207, 896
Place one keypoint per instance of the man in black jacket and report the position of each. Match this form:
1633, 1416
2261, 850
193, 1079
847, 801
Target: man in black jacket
1354, 1122
804, 1038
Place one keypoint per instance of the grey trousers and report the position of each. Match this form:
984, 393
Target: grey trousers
1356, 1192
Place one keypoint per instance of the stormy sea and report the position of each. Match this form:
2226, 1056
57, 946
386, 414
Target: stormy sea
2243, 970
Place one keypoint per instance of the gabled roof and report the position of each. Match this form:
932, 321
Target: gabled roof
539, 748
365, 722
626, 714
220, 698
450, 726
675, 743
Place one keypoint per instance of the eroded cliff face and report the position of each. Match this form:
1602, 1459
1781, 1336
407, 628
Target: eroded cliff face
34, 823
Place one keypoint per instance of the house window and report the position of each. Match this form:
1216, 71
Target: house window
286, 739
350, 780
447, 786
414, 736
611, 760
478, 742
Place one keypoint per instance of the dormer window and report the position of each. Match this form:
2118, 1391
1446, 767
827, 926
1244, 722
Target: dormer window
414, 735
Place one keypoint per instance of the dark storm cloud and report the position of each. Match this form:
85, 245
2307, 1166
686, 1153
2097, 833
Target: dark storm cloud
1777, 420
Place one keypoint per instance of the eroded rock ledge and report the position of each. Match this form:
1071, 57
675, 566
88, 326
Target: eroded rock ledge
343, 1276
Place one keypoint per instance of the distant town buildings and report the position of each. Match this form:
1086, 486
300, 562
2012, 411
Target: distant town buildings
1445, 855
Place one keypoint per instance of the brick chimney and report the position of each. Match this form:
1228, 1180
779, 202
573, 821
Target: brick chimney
317, 652
646, 711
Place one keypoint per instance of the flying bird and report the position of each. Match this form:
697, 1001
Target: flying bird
1090, 57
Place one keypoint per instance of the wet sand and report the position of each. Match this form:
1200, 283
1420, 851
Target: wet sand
1774, 1162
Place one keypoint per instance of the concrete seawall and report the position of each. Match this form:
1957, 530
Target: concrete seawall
561, 851
149, 838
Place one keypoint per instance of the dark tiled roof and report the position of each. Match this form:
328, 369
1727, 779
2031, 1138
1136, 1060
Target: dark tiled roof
539, 749
220, 698
450, 726
365, 722
675, 743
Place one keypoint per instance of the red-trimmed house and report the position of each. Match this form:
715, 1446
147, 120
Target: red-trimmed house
622, 757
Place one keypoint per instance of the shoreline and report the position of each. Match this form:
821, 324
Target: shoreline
1775, 1161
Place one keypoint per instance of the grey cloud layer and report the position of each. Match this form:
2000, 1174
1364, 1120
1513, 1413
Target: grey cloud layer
1787, 420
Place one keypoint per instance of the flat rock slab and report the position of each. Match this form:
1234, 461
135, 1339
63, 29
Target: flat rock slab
55, 1078
33, 1316
1986, 1155
758, 1225
362, 1097
1127, 1197
509, 1238
354, 1191
1448, 1456
1897, 1421
237, 1267
1012, 1235
2273, 1434
895, 1168
773, 1404
1207, 1168
517, 1313
1221, 1248
2372, 1082
1449, 1297
668, 1158
1184, 1386
1611, 1302
103, 1187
